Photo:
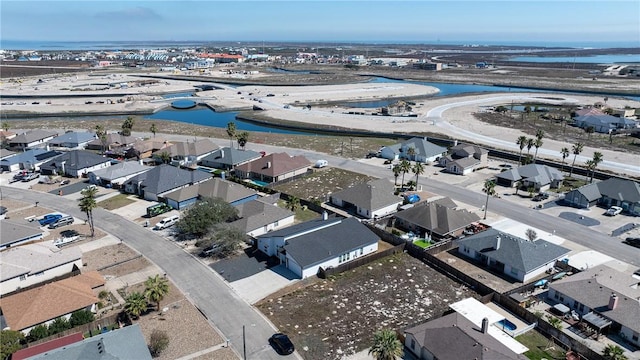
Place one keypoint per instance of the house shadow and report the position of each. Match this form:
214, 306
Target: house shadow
284, 272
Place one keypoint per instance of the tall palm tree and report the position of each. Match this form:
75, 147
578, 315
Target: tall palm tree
231, 131
418, 169
127, 125
537, 143
135, 304
396, 172
88, 203
565, 154
101, 133
165, 157
293, 204
530, 142
153, 129
595, 161
522, 142
243, 138
539, 134
386, 345
576, 149
489, 188
405, 167
411, 153
155, 289
613, 352
5, 126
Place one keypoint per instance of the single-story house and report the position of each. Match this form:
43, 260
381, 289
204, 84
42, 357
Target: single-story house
32, 138
423, 150
42, 305
607, 193
72, 140
5, 153
327, 242
187, 153
370, 200
464, 159
228, 158
14, 233
117, 174
230, 192
258, 217
112, 142
583, 197
32, 351
75, 163
589, 111
604, 123
31, 264
517, 258
606, 300
274, 167
435, 220
157, 182
29, 160
7, 135
540, 177
143, 149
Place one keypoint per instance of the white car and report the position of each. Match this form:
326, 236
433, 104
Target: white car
614, 210
166, 222
66, 237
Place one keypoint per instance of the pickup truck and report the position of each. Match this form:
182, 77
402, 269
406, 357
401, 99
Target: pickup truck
49, 219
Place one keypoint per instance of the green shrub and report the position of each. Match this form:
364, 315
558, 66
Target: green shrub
158, 342
38, 332
81, 317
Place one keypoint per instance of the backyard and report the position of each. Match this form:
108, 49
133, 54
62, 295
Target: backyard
321, 183
539, 346
335, 317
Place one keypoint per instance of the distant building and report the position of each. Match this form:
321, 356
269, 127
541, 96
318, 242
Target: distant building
30, 139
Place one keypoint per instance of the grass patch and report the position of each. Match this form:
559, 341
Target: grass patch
115, 202
423, 243
302, 214
537, 345
317, 185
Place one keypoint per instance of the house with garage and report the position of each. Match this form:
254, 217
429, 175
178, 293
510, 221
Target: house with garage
143, 149
604, 123
42, 305
118, 174
113, 142
228, 158
29, 160
16, 232
539, 177
326, 242
31, 139
415, 149
71, 140
154, 184
229, 191
187, 153
31, 264
258, 217
434, 220
606, 299
75, 163
464, 159
274, 167
583, 197
510, 255
370, 200
607, 193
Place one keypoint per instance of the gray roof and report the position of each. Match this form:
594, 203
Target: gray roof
540, 174
119, 170
72, 138
594, 287
6, 153
518, 253
75, 160
327, 243
12, 231
466, 150
591, 192
34, 258
165, 177
256, 214
373, 195
453, 337
423, 147
301, 228
231, 156
31, 155
464, 162
197, 148
603, 119
620, 189
437, 218
121, 344
32, 135
213, 188
114, 139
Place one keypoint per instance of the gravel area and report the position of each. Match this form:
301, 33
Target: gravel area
108, 255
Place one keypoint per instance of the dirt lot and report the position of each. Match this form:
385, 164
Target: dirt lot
108, 255
322, 182
335, 317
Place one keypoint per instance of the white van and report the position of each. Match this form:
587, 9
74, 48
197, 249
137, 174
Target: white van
321, 163
166, 222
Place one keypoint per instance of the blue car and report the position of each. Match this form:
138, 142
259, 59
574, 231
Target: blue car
49, 219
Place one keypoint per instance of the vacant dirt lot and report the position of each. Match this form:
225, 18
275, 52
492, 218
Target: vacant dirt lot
113, 254
335, 317
322, 182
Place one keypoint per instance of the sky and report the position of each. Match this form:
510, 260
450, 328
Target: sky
472, 21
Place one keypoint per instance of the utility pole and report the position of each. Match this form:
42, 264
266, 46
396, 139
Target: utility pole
244, 345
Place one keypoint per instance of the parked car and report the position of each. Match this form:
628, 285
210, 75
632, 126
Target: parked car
65, 220
66, 237
614, 210
540, 197
30, 176
633, 241
65, 182
49, 218
17, 177
281, 344
166, 222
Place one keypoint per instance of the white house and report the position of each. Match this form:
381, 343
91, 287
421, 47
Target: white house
118, 174
75, 163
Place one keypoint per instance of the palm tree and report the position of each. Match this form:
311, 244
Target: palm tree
565, 154
231, 131
165, 157
243, 138
101, 133
597, 159
613, 352
153, 129
522, 142
540, 134
127, 125
88, 203
576, 149
530, 143
5, 126
293, 204
405, 167
589, 130
155, 289
489, 188
537, 143
396, 172
411, 153
418, 169
386, 345
135, 304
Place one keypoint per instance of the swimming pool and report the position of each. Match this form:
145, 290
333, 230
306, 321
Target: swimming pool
259, 183
505, 324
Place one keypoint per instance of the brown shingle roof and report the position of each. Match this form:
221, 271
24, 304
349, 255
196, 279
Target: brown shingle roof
275, 164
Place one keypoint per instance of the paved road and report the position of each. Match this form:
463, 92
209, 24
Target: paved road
205, 288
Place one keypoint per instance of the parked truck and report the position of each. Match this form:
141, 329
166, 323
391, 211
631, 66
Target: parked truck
158, 209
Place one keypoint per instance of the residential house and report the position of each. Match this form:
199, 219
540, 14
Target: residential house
274, 167
143, 149
72, 140
539, 177
75, 163
517, 258
157, 182
14, 233
228, 158
434, 220
607, 193
120, 344
464, 159
230, 192
327, 242
258, 217
606, 300
31, 264
44, 347
604, 123
583, 197
370, 200
415, 149
29, 160
118, 174
113, 142
187, 153
42, 305
7, 135
31, 139
588, 111
4, 153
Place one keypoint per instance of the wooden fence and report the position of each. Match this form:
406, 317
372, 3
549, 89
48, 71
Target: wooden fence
94, 325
